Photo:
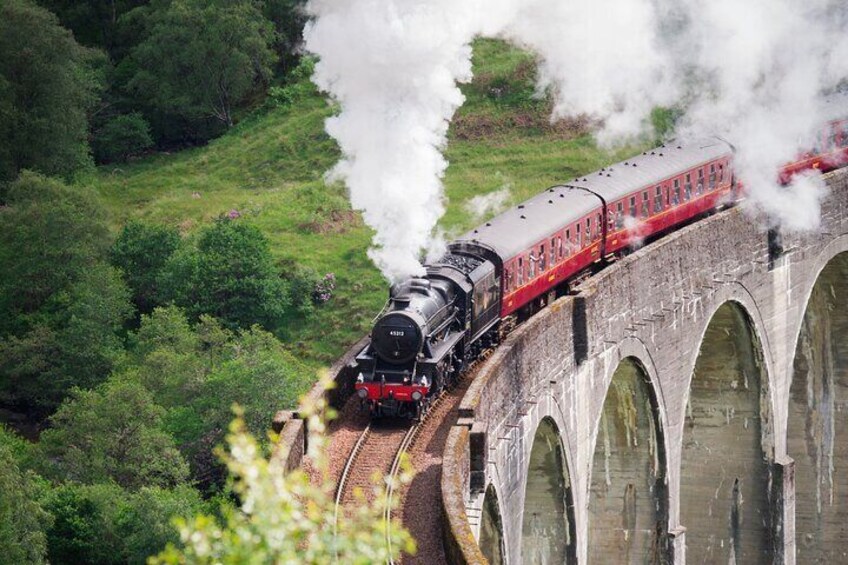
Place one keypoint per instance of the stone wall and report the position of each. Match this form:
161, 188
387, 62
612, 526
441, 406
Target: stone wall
654, 306
289, 426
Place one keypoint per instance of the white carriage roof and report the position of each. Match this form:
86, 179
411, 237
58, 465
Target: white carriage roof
539, 217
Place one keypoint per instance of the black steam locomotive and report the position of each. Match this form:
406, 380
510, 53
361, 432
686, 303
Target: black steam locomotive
428, 331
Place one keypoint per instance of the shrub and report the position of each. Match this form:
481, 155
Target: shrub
122, 137
230, 275
141, 252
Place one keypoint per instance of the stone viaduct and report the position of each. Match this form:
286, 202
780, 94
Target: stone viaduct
689, 400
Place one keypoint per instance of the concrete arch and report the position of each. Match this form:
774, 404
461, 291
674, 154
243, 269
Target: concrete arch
738, 294
817, 416
727, 447
832, 250
548, 533
629, 467
492, 539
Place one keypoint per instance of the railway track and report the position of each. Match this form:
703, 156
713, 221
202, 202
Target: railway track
377, 442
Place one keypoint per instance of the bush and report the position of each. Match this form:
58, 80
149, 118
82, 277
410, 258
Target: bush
105, 524
122, 137
22, 519
141, 253
230, 275
115, 434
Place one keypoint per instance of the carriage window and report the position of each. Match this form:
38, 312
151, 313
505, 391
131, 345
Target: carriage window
646, 205
658, 199
832, 141
553, 252
619, 217
713, 176
559, 245
520, 271
844, 134
700, 188
598, 226
568, 241
687, 194
578, 236
542, 258
632, 206
588, 231
531, 265
675, 197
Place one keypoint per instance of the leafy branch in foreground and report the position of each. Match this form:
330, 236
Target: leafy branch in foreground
286, 518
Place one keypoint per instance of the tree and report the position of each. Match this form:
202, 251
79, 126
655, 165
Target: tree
22, 519
73, 341
50, 235
229, 275
122, 137
203, 59
95, 23
61, 305
105, 524
113, 434
288, 17
197, 373
141, 252
47, 85
283, 518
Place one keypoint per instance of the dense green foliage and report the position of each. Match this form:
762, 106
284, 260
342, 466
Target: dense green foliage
230, 274
61, 304
47, 85
104, 524
22, 520
122, 137
169, 72
202, 59
197, 373
141, 252
115, 434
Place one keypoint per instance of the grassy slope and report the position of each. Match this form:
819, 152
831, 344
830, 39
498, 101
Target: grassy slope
270, 168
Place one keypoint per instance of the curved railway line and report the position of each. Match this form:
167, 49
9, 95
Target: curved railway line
381, 446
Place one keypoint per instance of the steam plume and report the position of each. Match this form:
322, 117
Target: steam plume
755, 72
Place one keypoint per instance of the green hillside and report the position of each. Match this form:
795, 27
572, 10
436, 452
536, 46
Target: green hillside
270, 169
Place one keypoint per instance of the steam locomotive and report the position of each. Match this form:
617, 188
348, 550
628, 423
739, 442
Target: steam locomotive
501, 272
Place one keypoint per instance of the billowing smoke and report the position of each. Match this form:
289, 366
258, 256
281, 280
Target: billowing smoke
482, 205
755, 72
393, 67
759, 74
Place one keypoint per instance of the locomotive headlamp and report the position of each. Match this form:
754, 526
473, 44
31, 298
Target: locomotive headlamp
416, 395
362, 393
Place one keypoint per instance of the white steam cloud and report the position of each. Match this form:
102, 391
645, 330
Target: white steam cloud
482, 205
755, 72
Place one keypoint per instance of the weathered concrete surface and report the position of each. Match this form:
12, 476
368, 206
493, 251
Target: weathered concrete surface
817, 431
654, 306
